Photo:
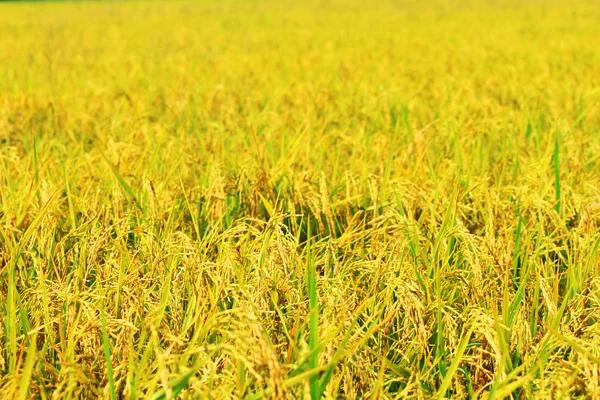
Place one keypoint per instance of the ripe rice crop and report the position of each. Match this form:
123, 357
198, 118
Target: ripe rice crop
314, 199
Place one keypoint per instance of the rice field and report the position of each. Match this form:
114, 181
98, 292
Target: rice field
277, 199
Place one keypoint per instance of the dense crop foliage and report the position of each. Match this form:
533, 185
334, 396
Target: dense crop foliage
278, 199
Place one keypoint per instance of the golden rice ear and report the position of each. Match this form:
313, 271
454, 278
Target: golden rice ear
590, 220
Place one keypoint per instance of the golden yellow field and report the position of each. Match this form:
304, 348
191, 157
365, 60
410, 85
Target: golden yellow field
288, 199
